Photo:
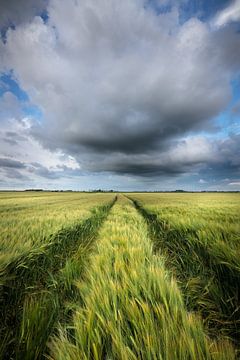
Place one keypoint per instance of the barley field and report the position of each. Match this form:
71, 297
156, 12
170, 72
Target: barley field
119, 276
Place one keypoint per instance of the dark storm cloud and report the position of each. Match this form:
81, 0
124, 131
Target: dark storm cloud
138, 98
115, 141
128, 134
10, 163
125, 90
146, 169
224, 162
217, 158
229, 157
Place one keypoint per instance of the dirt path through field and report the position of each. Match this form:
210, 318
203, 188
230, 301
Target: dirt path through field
130, 307
209, 283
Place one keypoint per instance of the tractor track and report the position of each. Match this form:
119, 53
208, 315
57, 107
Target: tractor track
195, 265
35, 282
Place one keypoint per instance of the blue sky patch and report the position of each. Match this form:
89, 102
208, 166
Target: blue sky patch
7, 83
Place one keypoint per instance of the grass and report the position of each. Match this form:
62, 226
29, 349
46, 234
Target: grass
131, 307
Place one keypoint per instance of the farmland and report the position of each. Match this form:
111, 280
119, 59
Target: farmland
132, 276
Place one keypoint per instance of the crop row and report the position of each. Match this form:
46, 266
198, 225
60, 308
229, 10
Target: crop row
130, 307
37, 283
208, 273
28, 220
131, 281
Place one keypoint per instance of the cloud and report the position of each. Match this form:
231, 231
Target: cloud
25, 161
216, 158
230, 14
43, 171
14, 136
10, 163
122, 89
12, 174
10, 107
15, 169
236, 109
235, 183
15, 12
17, 143
11, 169
224, 161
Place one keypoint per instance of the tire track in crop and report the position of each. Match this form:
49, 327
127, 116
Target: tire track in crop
210, 284
38, 282
131, 307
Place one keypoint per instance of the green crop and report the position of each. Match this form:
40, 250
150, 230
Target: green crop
126, 277
200, 237
131, 308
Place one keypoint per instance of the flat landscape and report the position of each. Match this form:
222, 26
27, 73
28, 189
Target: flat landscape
120, 180
119, 276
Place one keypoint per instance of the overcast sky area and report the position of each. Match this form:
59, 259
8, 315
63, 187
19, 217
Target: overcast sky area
120, 94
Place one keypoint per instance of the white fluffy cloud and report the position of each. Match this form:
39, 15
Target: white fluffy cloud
227, 15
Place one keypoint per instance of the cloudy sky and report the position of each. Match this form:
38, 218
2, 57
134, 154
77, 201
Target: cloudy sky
120, 94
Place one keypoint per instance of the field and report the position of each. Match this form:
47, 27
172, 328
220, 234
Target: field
126, 276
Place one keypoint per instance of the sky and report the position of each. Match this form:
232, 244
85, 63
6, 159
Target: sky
120, 94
